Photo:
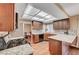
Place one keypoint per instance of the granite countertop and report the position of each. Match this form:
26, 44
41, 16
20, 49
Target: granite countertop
63, 37
12, 38
25, 49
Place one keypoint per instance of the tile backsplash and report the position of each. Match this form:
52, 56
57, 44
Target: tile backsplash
70, 32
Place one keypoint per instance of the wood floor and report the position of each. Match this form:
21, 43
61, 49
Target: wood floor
42, 48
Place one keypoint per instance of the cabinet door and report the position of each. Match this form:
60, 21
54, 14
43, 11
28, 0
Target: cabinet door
61, 24
55, 25
6, 17
45, 36
55, 47
37, 25
35, 38
65, 24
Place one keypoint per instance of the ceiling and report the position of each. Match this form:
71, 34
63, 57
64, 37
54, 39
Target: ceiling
72, 9
20, 8
36, 14
47, 12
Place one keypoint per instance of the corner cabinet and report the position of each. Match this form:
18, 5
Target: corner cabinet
37, 25
6, 17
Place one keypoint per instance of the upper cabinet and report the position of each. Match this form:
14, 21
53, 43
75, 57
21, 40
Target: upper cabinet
6, 17
37, 25
61, 24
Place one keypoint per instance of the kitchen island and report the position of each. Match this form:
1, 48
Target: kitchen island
59, 43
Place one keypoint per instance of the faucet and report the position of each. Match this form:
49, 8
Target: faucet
66, 32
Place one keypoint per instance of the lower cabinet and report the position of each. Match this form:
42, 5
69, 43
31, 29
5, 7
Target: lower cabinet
55, 47
46, 36
35, 38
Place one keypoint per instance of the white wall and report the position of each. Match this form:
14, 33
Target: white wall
20, 8
44, 27
27, 27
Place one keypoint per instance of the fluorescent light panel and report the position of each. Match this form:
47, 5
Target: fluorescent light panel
28, 9
38, 19
31, 10
41, 19
42, 14
26, 16
30, 13
50, 17
35, 18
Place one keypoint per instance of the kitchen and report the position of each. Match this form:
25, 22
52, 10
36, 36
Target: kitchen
54, 29
64, 31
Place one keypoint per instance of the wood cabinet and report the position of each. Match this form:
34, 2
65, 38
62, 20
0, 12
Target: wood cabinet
6, 17
35, 38
61, 24
46, 35
74, 27
37, 25
55, 47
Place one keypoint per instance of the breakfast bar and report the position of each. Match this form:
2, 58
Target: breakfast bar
59, 43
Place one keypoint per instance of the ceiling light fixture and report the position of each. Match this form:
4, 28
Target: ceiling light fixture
37, 15
35, 18
30, 10
42, 14
26, 16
